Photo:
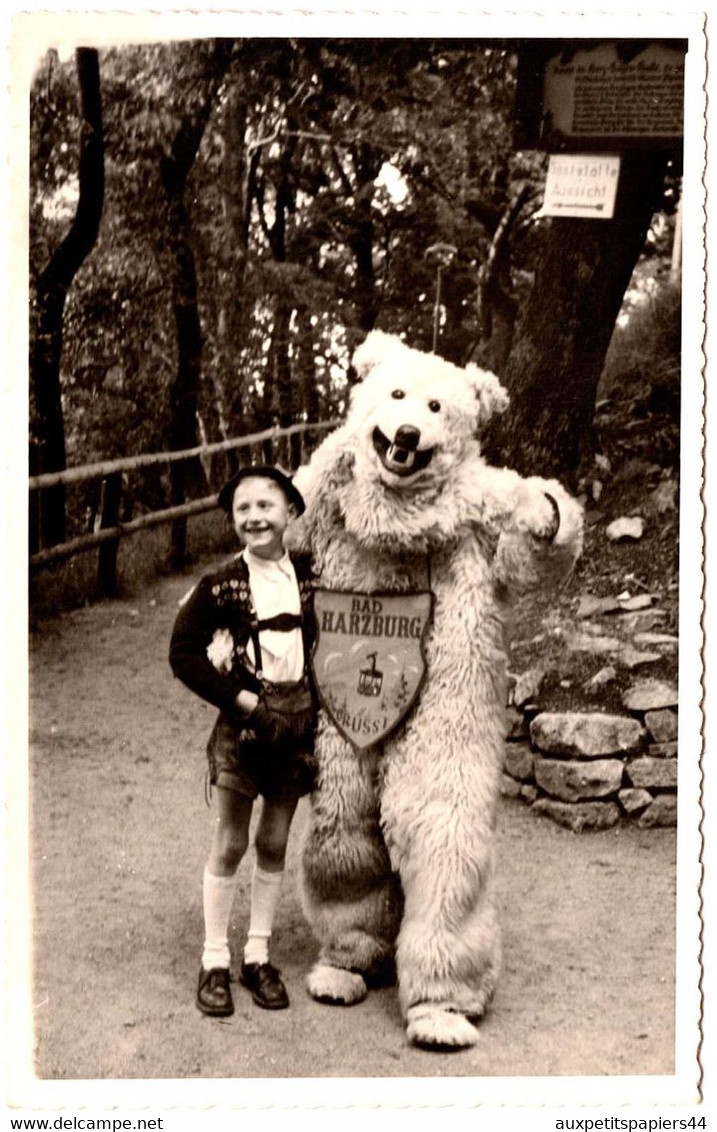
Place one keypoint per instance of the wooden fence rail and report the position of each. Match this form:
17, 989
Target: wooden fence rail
107, 538
148, 459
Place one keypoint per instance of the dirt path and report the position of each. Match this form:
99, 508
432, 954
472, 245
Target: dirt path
120, 833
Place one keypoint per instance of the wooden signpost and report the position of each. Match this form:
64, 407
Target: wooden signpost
610, 114
600, 96
587, 102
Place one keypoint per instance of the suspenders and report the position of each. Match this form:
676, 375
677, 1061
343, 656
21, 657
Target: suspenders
282, 623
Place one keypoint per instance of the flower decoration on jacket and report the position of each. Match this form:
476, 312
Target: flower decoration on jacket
221, 650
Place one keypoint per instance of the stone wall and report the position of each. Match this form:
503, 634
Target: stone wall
591, 770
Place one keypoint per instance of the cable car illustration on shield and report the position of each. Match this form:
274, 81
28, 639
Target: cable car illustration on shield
370, 679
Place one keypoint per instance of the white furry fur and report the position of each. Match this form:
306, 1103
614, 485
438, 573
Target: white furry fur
398, 860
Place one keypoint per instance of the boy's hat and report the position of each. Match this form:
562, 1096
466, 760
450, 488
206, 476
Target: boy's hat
263, 471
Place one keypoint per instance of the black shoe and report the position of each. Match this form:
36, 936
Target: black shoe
382, 974
214, 995
264, 982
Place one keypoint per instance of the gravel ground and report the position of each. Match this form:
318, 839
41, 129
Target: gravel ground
119, 835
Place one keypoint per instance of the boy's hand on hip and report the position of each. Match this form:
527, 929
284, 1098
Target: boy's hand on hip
246, 702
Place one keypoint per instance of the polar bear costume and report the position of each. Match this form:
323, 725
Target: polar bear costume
398, 860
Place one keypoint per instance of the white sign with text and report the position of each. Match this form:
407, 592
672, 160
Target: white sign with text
581, 185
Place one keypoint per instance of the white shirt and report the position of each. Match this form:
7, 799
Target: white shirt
274, 589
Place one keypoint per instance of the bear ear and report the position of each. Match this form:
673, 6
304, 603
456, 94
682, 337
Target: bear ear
375, 348
490, 394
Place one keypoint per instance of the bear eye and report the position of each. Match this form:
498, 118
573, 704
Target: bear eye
398, 394
434, 406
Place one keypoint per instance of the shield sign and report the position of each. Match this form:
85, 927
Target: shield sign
368, 661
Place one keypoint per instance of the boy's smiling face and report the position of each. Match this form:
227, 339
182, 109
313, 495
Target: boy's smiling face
261, 512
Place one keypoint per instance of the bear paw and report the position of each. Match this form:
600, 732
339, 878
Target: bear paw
434, 1027
538, 514
335, 985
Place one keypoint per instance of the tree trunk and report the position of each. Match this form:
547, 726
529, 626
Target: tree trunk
493, 352
183, 397
362, 245
557, 358
309, 394
278, 392
229, 393
367, 164
282, 364
184, 394
49, 453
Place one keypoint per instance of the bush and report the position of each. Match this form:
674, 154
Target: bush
643, 361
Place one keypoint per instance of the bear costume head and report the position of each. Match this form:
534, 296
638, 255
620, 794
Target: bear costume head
415, 415
400, 472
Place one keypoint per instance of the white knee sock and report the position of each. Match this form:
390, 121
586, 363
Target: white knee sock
265, 889
218, 900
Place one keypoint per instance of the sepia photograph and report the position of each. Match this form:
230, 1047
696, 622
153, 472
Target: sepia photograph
359, 732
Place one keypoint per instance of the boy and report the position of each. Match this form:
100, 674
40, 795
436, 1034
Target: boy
241, 640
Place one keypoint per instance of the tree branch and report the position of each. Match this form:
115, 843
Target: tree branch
491, 290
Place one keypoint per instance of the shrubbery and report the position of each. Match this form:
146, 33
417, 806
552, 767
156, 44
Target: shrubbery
643, 362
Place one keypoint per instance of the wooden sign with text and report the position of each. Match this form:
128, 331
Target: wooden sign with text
600, 96
581, 184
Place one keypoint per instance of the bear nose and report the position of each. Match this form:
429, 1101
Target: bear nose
407, 436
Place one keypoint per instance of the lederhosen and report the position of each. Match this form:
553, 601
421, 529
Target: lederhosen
272, 751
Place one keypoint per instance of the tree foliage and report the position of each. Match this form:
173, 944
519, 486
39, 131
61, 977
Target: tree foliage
321, 187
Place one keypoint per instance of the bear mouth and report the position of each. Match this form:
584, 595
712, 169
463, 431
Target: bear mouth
399, 459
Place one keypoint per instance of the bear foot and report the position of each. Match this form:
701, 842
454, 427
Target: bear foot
431, 1026
335, 985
